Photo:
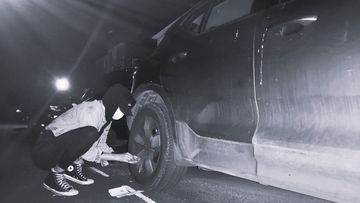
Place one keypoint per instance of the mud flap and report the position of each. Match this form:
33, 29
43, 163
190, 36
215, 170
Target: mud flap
233, 158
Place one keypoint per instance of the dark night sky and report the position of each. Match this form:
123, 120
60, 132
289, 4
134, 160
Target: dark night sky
44, 39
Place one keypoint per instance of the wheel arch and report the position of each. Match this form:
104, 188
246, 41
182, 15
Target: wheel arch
150, 93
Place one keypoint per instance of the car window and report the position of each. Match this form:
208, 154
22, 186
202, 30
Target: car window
259, 5
194, 20
224, 11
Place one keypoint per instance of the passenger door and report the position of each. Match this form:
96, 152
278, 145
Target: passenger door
307, 85
209, 71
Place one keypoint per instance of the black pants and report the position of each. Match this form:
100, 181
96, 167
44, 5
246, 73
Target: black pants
63, 150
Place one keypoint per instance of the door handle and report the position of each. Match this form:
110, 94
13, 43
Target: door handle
306, 20
294, 26
178, 57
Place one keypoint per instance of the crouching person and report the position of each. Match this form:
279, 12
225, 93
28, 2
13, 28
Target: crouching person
80, 133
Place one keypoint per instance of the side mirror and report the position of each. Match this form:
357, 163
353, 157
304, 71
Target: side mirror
131, 54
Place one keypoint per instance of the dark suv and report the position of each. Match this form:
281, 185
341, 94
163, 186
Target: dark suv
265, 90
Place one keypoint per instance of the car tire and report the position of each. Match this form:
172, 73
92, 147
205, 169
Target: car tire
152, 140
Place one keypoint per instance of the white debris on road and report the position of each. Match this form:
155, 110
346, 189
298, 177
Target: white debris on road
126, 190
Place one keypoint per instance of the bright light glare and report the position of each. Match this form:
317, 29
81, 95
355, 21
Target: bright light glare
18, 111
62, 84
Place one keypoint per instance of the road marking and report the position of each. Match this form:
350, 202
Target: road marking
99, 172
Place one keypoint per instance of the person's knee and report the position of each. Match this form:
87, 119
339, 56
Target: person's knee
91, 133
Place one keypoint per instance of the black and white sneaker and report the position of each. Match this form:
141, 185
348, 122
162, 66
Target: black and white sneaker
56, 183
74, 173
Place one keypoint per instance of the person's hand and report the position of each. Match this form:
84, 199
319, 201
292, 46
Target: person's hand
129, 158
126, 157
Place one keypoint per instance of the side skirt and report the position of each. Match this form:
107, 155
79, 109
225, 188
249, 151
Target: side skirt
233, 158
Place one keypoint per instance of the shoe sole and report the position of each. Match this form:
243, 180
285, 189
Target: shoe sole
73, 193
88, 182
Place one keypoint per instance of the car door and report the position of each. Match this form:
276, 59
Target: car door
308, 97
209, 72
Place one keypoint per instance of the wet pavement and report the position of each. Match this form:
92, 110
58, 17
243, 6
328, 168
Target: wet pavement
21, 181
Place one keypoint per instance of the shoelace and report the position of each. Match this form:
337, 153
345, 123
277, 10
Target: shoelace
79, 171
60, 179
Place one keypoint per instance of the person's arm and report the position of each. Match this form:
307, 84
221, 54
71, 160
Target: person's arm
126, 157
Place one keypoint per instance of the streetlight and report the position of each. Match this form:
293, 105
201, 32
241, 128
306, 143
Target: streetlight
62, 84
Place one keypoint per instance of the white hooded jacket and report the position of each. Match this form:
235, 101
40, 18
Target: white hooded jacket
85, 114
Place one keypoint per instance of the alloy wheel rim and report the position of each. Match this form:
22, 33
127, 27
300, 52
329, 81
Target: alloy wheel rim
147, 146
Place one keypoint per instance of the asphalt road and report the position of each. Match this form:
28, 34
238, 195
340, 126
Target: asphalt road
21, 181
